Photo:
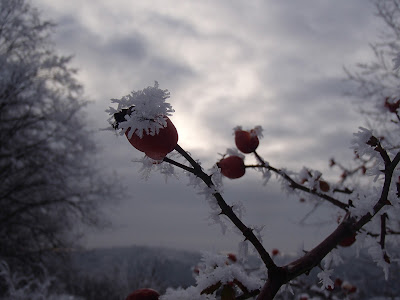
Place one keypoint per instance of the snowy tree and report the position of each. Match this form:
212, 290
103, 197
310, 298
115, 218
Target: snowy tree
377, 82
49, 181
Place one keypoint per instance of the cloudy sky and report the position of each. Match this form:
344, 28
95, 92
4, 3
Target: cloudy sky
278, 64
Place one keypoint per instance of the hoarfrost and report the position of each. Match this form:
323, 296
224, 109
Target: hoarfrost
148, 111
325, 279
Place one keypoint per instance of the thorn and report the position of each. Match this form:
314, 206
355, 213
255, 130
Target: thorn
387, 202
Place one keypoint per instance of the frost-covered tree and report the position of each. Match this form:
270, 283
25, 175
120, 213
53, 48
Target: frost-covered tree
377, 82
49, 182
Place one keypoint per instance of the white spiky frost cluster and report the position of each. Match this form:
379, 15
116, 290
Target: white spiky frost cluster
215, 216
332, 259
377, 255
360, 141
234, 152
149, 166
148, 114
213, 269
256, 131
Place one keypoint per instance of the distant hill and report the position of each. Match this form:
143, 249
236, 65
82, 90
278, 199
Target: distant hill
112, 273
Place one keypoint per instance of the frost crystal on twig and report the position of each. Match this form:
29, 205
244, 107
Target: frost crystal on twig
149, 165
377, 255
325, 279
360, 142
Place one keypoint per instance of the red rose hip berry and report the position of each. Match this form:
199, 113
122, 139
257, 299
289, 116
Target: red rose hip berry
246, 141
156, 146
144, 294
275, 252
232, 167
348, 241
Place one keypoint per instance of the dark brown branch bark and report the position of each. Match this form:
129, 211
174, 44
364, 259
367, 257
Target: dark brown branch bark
383, 230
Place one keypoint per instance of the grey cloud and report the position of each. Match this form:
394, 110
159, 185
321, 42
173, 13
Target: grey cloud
130, 46
174, 24
297, 50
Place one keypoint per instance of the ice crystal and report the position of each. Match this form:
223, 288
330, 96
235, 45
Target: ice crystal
217, 268
360, 141
149, 165
266, 174
145, 111
377, 254
256, 131
334, 258
243, 250
234, 152
364, 203
325, 279
286, 288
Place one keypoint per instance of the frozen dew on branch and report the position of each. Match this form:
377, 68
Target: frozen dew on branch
243, 250
208, 193
239, 209
214, 269
217, 268
364, 202
360, 142
378, 256
325, 279
216, 178
149, 165
333, 258
256, 131
286, 288
142, 111
234, 152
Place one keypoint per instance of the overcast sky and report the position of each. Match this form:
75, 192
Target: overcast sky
278, 64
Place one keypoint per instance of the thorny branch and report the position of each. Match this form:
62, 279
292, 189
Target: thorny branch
295, 185
278, 276
225, 208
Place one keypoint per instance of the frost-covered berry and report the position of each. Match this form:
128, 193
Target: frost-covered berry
143, 117
246, 141
156, 146
232, 167
144, 294
275, 252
